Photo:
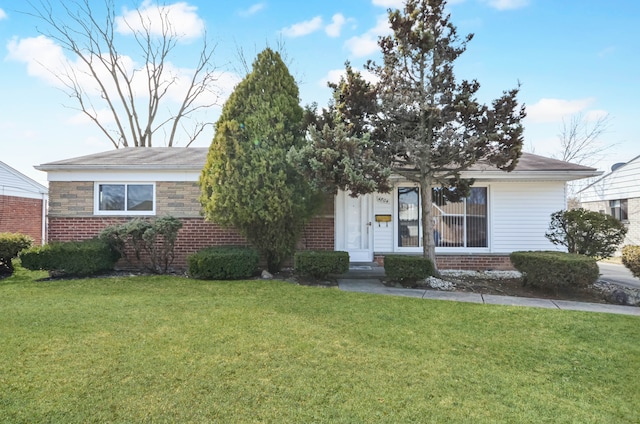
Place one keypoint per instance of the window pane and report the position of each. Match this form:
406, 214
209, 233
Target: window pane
477, 217
140, 197
448, 218
624, 207
111, 197
408, 216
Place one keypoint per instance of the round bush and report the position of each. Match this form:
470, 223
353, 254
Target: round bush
407, 269
223, 263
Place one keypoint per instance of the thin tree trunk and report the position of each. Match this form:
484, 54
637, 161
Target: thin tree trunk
428, 241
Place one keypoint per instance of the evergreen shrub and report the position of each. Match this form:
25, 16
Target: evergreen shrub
407, 268
11, 244
73, 258
631, 259
152, 241
320, 263
586, 232
223, 263
556, 270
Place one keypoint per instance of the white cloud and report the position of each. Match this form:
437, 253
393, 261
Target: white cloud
367, 43
303, 28
104, 116
553, 110
3, 15
335, 27
183, 18
392, 4
595, 114
44, 58
507, 4
253, 9
334, 76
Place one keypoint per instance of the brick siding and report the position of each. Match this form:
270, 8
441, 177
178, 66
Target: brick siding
21, 215
475, 262
195, 234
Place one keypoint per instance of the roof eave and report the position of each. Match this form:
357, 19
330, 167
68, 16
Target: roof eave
127, 168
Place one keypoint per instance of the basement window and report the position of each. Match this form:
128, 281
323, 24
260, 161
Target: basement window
125, 199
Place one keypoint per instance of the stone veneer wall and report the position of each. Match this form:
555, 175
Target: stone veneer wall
21, 215
71, 218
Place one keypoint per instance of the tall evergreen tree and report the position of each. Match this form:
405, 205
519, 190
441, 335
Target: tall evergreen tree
342, 149
247, 182
417, 120
434, 125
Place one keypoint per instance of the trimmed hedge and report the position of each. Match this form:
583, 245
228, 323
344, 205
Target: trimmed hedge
556, 270
320, 263
223, 263
74, 258
11, 244
631, 259
407, 269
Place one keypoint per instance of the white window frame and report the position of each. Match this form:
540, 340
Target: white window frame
440, 249
96, 198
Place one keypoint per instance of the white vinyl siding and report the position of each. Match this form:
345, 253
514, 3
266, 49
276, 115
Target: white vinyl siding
14, 183
620, 184
520, 214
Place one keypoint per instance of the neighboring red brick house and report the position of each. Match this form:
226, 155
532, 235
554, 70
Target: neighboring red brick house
505, 211
23, 204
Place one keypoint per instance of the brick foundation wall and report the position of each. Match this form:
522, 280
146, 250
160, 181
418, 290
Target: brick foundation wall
195, 234
469, 262
21, 215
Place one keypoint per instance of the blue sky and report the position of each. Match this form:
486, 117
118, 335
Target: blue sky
570, 57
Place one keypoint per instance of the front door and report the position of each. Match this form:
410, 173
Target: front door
358, 232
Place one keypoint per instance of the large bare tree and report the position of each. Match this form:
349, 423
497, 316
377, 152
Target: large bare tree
138, 92
581, 143
580, 139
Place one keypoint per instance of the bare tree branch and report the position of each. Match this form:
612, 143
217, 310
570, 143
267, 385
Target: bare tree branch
580, 139
89, 34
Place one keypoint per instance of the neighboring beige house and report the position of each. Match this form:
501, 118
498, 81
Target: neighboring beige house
617, 194
505, 211
23, 204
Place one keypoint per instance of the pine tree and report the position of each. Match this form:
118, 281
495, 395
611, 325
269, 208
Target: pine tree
342, 152
247, 182
434, 126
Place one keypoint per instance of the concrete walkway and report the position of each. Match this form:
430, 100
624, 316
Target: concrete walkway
618, 274
365, 281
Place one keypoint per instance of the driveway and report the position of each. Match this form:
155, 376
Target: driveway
618, 274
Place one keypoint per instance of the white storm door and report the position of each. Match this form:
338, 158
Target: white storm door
358, 232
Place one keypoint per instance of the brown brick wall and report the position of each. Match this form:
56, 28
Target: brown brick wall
195, 234
470, 262
21, 215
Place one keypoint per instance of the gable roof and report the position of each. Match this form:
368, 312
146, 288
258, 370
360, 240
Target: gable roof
15, 183
156, 158
194, 159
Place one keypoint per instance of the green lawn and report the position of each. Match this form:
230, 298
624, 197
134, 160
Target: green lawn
167, 349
